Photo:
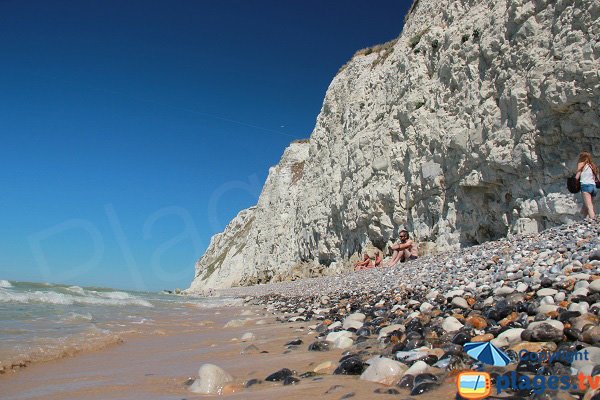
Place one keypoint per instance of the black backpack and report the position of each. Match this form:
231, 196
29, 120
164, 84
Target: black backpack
573, 184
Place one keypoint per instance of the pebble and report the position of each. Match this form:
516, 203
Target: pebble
279, 375
211, 380
451, 324
546, 292
460, 302
383, 370
417, 368
508, 337
503, 291
350, 366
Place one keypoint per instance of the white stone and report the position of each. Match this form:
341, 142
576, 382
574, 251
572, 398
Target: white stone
333, 336
546, 292
582, 307
390, 328
383, 370
352, 323
417, 368
211, 379
522, 287
426, 308
460, 302
360, 317
451, 324
580, 276
555, 323
548, 300
594, 286
343, 342
503, 291
546, 308
335, 325
508, 337
248, 337
580, 292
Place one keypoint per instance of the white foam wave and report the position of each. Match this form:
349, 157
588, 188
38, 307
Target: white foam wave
45, 349
76, 289
67, 299
76, 317
5, 284
114, 295
217, 302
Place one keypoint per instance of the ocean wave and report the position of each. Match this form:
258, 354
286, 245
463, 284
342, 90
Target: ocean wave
76, 290
7, 296
5, 284
76, 317
209, 302
114, 295
54, 348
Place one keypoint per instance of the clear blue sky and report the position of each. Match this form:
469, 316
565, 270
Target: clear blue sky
132, 131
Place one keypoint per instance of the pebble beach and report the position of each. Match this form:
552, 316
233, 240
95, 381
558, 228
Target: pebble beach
405, 327
381, 333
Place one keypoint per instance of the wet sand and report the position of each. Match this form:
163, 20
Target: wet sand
155, 363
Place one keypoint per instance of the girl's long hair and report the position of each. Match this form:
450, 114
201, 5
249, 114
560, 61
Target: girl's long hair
585, 157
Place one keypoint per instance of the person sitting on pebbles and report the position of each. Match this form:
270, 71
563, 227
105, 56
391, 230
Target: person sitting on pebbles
378, 260
364, 264
403, 251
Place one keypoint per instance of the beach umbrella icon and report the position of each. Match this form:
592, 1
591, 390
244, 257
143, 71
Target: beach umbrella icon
487, 353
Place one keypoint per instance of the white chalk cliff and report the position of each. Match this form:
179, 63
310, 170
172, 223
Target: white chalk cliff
462, 130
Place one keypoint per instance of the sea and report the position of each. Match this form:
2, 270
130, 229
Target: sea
45, 321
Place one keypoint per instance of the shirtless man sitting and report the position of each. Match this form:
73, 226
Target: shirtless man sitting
403, 251
364, 264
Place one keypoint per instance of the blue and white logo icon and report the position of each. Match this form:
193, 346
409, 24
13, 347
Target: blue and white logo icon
487, 353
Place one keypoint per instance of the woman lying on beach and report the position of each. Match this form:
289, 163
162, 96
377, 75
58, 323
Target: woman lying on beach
403, 251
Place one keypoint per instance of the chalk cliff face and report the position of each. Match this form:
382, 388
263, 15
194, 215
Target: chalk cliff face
462, 130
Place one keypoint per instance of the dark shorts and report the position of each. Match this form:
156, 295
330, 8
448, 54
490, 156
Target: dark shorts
410, 258
589, 188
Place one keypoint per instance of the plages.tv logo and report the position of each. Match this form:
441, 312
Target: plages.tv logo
473, 385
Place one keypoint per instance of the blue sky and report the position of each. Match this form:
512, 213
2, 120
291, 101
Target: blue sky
132, 131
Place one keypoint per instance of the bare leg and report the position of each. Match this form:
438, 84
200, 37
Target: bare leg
589, 205
404, 257
395, 258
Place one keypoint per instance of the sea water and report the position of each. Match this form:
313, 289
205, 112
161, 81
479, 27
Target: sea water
43, 321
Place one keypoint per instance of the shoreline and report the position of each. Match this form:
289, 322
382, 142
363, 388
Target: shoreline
158, 364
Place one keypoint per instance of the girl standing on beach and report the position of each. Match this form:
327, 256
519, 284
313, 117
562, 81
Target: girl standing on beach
587, 173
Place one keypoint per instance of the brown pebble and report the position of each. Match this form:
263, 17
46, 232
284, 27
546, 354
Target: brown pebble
482, 338
510, 318
477, 322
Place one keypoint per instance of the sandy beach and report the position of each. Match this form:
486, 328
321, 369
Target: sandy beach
158, 362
